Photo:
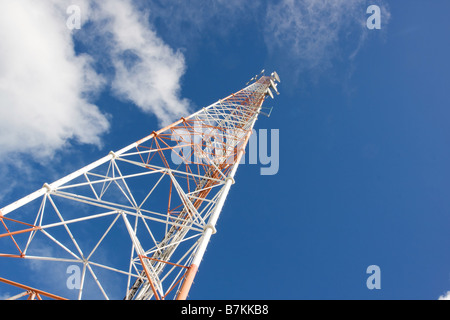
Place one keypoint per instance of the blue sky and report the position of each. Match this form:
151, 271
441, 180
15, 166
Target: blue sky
363, 119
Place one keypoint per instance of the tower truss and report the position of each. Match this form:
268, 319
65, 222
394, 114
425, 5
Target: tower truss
134, 224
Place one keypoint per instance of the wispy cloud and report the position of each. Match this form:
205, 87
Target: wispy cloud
187, 22
147, 71
304, 36
313, 34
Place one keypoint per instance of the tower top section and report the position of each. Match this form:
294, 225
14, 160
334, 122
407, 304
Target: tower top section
273, 81
273, 76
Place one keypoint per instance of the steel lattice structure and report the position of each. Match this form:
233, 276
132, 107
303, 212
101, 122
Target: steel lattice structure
139, 218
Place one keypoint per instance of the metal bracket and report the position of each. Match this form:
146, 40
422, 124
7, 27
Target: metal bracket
209, 226
267, 114
48, 187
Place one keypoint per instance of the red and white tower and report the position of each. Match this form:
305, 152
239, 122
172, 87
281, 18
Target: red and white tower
137, 222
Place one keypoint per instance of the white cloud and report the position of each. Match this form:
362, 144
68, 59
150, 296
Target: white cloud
47, 89
44, 85
445, 296
314, 33
147, 71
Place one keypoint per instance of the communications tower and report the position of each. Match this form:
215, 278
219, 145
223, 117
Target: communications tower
134, 224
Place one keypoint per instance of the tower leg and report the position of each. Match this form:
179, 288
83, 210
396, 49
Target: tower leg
190, 275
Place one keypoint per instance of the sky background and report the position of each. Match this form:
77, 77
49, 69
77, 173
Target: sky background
363, 119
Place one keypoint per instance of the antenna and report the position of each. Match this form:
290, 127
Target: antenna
269, 92
275, 76
256, 77
274, 86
